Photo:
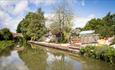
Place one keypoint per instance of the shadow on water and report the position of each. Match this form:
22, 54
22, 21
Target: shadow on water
41, 58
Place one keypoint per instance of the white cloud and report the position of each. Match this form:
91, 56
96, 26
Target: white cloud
7, 5
9, 22
48, 19
11, 12
20, 7
44, 2
12, 23
4, 17
81, 21
8, 9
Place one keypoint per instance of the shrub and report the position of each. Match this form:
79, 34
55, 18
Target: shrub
105, 53
82, 51
5, 44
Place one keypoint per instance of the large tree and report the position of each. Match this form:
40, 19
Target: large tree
33, 25
62, 20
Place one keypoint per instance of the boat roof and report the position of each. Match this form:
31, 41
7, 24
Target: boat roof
87, 32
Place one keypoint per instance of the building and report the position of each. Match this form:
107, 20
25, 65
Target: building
17, 34
85, 37
89, 36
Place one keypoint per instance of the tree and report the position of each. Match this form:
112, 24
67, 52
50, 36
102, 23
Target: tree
94, 24
105, 31
62, 20
18, 28
5, 34
105, 26
33, 25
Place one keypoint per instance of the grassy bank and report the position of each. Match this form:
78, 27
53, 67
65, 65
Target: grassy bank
5, 44
105, 53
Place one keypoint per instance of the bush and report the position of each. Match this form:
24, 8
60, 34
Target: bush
21, 41
110, 55
5, 44
105, 53
88, 51
82, 51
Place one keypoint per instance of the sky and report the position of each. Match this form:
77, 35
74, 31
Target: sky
13, 11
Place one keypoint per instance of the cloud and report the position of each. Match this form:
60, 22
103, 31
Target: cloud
81, 21
44, 2
8, 21
7, 5
13, 11
20, 7
48, 19
12, 23
3, 18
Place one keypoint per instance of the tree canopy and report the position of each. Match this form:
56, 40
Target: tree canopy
5, 34
33, 25
104, 26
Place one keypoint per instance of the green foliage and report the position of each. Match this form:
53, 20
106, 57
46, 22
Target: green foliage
105, 53
21, 41
82, 51
93, 24
5, 34
89, 50
105, 26
62, 39
18, 28
5, 44
33, 25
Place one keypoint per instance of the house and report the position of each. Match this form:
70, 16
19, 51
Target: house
84, 37
89, 36
17, 34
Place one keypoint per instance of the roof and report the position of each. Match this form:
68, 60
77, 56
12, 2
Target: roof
17, 34
87, 32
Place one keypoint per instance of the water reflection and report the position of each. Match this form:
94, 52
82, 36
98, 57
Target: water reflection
62, 63
12, 62
48, 59
40, 59
35, 59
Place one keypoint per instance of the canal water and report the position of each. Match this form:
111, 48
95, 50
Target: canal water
41, 58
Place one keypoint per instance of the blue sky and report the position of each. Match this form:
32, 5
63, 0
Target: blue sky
13, 11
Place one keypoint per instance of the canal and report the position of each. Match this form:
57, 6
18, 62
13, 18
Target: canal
42, 58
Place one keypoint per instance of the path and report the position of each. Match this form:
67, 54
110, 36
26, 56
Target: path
64, 47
